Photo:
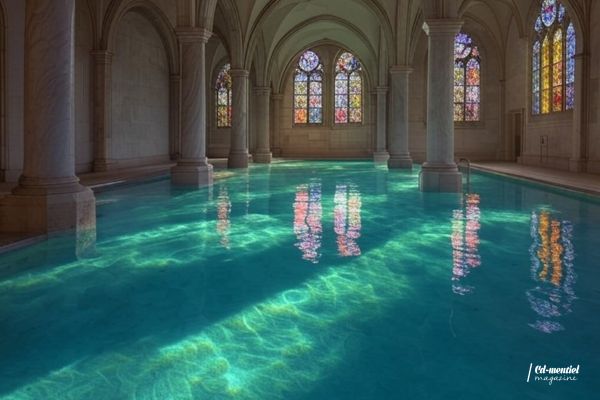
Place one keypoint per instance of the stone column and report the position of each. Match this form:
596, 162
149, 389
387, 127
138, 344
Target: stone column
440, 173
381, 154
175, 116
102, 60
399, 154
192, 168
263, 148
49, 197
238, 154
277, 99
578, 159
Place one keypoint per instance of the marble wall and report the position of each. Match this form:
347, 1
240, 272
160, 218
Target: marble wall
140, 94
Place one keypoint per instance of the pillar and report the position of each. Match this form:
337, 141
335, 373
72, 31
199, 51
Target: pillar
49, 197
238, 154
578, 159
102, 60
440, 173
381, 154
399, 154
277, 99
263, 149
175, 116
192, 167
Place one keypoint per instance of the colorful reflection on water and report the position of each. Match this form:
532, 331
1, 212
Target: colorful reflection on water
224, 216
552, 256
308, 227
465, 243
347, 221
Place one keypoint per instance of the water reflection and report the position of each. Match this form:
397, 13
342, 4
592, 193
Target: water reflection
552, 256
465, 243
223, 216
308, 227
347, 221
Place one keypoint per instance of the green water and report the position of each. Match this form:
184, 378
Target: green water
309, 280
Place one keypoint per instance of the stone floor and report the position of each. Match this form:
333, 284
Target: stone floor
580, 182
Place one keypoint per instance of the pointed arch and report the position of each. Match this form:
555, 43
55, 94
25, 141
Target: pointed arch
348, 92
118, 8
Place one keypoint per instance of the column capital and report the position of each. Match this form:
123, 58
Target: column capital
262, 90
192, 35
102, 56
277, 96
443, 26
400, 69
239, 73
381, 90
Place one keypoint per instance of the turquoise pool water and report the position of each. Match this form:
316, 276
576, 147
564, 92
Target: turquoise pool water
310, 280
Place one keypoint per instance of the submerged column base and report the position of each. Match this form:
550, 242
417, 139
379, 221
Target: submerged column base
262, 157
400, 162
48, 209
192, 174
440, 178
381, 157
238, 160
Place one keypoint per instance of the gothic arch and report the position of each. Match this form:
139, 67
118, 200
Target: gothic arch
575, 13
231, 33
116, 11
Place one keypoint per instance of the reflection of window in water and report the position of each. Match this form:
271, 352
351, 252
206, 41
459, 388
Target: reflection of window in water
307, 221
223, 216
347, 222
465, 243
552, 269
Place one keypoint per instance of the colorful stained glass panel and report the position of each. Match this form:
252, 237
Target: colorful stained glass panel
467, 78
356, 115
308, 89
548, 12
348, 90
223, 87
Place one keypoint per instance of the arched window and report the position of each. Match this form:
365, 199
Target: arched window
553, 60
467, 79
348, 89
223, 97
308, 89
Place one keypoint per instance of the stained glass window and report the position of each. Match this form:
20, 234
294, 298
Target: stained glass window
467, 79
348, 89
223, 97
553, 60
308, 89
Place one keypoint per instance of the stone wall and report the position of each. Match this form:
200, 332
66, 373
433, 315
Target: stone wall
84, 139
140, 94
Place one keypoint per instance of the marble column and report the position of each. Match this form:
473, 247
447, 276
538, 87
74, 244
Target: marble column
399, 153
192, 167
175, 116
578, 159
277, 99
263, 149
381, 154
102, 109
49, 197
238, 154
440, 173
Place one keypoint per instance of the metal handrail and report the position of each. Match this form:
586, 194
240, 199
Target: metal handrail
468, 172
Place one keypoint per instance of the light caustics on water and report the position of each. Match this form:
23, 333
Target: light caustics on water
465, 243
276, 347
347, 221
552, 270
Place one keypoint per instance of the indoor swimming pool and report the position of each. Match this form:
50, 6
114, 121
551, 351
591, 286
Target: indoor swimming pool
309, 281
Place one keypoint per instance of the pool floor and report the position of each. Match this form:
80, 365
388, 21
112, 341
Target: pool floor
310, 280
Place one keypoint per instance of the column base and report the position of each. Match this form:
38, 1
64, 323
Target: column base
381, 157
400, 162
440, 178
105, 165
47, 210
262, 157
196, 175
238, 160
